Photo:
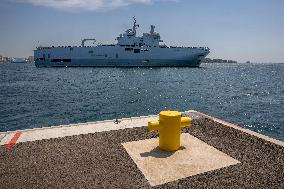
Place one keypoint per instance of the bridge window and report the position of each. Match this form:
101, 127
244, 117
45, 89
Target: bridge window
128, 49
55, 60
91, 51
66, 60
136, 50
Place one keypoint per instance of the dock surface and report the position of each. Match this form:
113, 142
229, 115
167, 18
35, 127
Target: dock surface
92, 155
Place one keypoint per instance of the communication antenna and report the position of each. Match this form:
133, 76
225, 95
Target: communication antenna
38, 44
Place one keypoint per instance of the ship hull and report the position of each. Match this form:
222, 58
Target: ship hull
120, 63
116, 56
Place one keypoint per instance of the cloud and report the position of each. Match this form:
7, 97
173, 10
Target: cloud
89, 4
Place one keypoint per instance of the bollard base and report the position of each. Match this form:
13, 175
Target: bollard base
193, 157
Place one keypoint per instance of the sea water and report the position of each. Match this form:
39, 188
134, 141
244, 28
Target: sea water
249, 95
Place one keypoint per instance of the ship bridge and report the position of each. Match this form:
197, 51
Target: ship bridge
151, 39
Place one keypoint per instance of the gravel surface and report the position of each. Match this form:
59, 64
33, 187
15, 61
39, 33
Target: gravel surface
99, 161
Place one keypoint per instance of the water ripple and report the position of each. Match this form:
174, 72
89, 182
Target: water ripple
250, 95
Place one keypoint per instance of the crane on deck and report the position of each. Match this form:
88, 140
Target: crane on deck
89, 39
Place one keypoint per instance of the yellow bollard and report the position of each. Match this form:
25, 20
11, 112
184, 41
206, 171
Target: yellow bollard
169, 127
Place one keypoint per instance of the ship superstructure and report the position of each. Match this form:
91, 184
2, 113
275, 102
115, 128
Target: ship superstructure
130, 50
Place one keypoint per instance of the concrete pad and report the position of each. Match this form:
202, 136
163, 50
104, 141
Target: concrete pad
194, 157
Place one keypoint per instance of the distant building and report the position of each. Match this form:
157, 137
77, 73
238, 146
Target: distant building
4, 59
232, 61
31, 59
219, 61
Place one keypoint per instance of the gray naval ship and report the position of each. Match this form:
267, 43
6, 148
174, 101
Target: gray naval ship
130, 50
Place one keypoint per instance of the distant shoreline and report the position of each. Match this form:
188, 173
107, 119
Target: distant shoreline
220, 61
217, 60
243, 63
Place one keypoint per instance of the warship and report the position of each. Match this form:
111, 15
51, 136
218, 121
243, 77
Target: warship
130, 50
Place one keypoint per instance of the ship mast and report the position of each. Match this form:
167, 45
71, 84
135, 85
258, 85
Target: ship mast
134, 26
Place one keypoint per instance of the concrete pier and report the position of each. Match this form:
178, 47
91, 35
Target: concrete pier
123, 154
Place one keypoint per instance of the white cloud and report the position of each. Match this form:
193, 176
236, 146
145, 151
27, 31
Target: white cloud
89, 4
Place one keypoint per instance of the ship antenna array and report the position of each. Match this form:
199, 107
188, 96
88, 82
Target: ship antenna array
84, 40
134, 26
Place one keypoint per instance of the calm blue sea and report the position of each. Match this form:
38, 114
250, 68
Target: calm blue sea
250, 95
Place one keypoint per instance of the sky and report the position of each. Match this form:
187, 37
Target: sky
242, 30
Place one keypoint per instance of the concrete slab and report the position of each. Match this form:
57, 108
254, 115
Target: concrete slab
7, 138
194, 157
2, 136
60, 131
29, 135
